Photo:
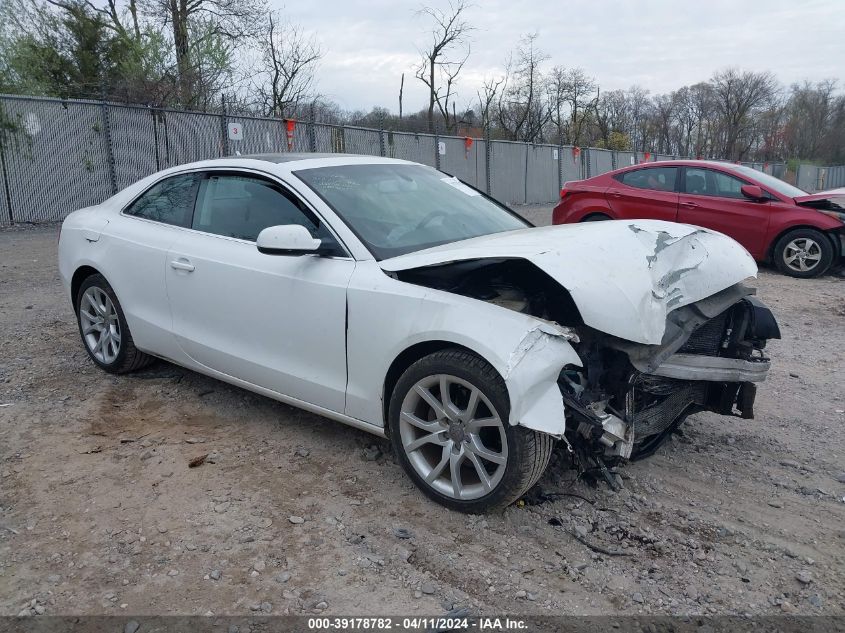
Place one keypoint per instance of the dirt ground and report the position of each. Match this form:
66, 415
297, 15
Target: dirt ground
293, 513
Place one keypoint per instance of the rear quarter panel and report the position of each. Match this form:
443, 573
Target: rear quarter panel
582, 199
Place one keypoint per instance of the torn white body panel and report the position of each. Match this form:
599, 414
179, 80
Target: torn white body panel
528, 353
531, 376
625, 276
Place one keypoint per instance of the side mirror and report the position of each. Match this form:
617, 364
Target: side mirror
753, 192
286, 239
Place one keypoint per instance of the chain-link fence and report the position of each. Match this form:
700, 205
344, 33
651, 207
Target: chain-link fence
60, 155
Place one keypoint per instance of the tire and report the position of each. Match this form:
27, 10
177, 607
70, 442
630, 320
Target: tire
787, 253
595, 217
99, 315
521, 455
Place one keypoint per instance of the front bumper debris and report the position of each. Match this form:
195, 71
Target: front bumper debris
713, 368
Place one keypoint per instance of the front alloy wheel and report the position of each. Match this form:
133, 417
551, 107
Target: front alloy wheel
448, 421
803, 253
453, 437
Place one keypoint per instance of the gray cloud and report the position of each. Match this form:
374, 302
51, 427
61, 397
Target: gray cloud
659, 44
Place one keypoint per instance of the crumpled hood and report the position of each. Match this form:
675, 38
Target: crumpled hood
832, 195
625, 276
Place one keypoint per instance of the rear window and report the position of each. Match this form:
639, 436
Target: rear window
170, 201
654, 178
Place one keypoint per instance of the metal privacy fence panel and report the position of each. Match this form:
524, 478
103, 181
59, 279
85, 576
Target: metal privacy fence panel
663, 157
570, 165
192, 136
508, 179
5, 218
807, 178
835, 177
64, 155
779, 170
362, 141
134, 138
601, 161
542, 173
420, 148
462, 161
625, 159
327, 138
56, 157
258, 136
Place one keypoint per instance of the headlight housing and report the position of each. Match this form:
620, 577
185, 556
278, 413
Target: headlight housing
839, 215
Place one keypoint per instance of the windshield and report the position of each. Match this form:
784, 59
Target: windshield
770, 182
396, 209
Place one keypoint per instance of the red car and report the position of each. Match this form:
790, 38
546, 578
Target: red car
802, 234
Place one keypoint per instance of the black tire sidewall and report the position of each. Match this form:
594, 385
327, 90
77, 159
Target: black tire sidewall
820, 238
100, 282
595, 217
495, 391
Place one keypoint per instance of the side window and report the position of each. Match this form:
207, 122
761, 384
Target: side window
242, 206
727, 186
708, 182
656, 178
170, 201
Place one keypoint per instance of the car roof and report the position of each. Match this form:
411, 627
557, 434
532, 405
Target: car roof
689, 162
283, 163
290, 157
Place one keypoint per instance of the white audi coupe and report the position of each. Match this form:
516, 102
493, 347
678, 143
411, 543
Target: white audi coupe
397, 299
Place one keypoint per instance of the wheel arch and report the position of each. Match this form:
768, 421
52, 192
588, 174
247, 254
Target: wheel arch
830, 233
594, 212
408, 357
79, 276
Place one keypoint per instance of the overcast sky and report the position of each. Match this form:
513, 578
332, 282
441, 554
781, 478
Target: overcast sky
659, 44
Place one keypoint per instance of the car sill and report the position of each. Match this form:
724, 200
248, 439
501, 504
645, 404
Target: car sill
275, 395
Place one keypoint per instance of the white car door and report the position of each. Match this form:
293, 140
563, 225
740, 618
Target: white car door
138, 241
276, 321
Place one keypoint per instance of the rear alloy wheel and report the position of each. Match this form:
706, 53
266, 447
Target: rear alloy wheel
449, 427
104, 330
803, 253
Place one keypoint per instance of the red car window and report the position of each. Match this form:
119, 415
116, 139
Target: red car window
655, 178
709, 182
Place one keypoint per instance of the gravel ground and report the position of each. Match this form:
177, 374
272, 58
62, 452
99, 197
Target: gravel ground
293, 513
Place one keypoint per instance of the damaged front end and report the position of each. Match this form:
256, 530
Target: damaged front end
629, 397
656, 312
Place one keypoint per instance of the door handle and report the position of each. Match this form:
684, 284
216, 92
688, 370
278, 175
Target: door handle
615, 194
689, 205
182, 264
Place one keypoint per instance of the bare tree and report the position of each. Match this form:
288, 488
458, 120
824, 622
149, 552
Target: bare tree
664, 119
228, 21
487, 101
401, 90
444, 59
289, 60
522, 109
639, 111
738, 95
110, 15
613, 121
811, 110
577, 93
